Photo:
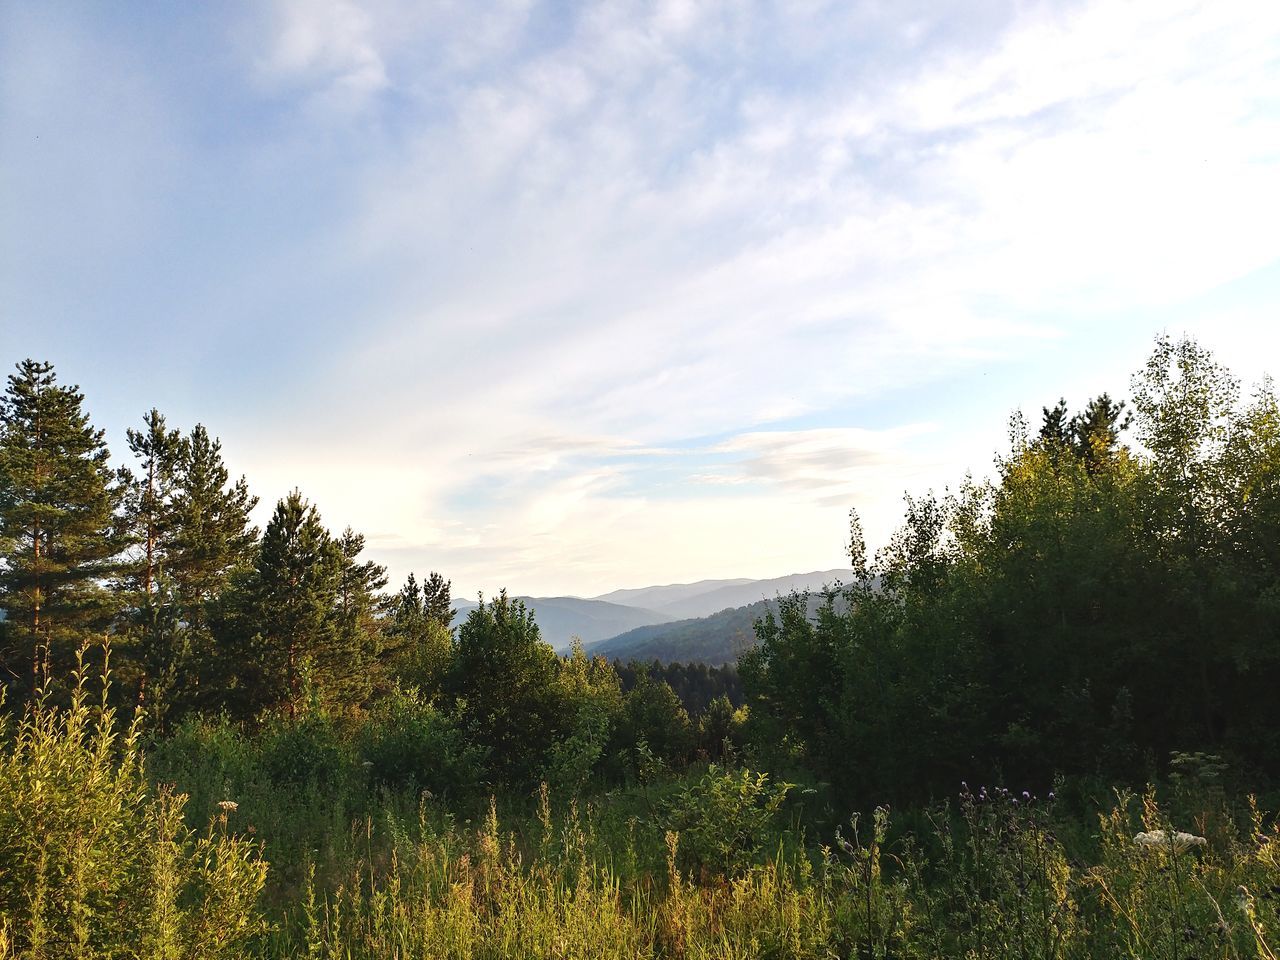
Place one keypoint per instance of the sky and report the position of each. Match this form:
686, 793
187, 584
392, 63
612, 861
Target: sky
569, 297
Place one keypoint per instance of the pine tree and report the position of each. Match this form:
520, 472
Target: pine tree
360, 605
296, 591
58, 520
211, 536
148, 496
193, 529
436, 602
417, 650
1096, 432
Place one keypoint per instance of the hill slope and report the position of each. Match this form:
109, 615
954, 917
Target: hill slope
560, 619
752, 591
715, 640
655, 598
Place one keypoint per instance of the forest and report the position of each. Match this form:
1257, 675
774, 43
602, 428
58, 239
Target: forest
1042, 722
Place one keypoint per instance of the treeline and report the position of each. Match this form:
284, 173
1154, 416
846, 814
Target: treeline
205, 616
203, 612
1109, 597
696, 684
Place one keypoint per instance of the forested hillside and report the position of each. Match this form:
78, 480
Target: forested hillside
561, 620
718, 639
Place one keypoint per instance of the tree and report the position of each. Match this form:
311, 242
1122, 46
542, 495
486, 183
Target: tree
436, 602
149, 496
210, 536
359, 624
418, 643
58, 520
194, 527
294, 593
653, 715
504, 681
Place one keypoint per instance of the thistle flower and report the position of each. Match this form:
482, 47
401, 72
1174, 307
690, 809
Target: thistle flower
1171, 840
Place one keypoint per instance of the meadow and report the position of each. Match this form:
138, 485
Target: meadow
215, 843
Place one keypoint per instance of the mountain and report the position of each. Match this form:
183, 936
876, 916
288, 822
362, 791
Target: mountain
740, 594
655, 598
715, 640
560, 619
622, 612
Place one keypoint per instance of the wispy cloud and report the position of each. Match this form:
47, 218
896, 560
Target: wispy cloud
566, 296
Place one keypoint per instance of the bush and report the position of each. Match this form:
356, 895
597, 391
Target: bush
94, 863
408, 742
304, 750
726, 818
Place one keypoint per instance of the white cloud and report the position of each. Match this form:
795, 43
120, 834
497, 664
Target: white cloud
327, 47
574, 240
617, 245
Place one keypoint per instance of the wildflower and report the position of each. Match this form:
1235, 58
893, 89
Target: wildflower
367, 764
228, 806
1169, 840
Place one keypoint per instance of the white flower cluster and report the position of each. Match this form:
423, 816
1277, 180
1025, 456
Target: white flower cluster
228, 806
1169, 840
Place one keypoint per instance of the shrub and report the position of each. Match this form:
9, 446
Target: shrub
408, 742
725, 819
304, 750
95, 864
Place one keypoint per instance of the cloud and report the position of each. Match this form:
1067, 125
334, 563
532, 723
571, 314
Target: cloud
819, 459
666, 224
540, 293
325, 47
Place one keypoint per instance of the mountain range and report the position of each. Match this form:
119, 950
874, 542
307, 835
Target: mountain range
709, 621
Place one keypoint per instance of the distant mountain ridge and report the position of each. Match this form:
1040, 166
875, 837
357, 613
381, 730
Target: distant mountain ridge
560, 619
691, 612
655, 598
732, 594
714, 640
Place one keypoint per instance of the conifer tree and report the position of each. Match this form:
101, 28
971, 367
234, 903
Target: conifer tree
360, 605
211, 536
148, 496
295, 593
193, 529
436, 602
58, 519
416, 649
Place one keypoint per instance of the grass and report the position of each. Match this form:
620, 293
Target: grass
285, 844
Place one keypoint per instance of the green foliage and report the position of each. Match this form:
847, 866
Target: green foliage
592, 697
408, 742
305, 749
93, 863
1087, 609
653, 716
59, 532
504, 679
726, 819
305, 612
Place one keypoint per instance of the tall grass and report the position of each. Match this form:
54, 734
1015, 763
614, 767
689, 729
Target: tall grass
95, 863
291, 843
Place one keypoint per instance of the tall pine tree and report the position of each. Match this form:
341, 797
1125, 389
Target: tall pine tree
211, 536
360, 606
58, 521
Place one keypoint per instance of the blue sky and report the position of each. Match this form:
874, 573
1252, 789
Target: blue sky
574, 297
